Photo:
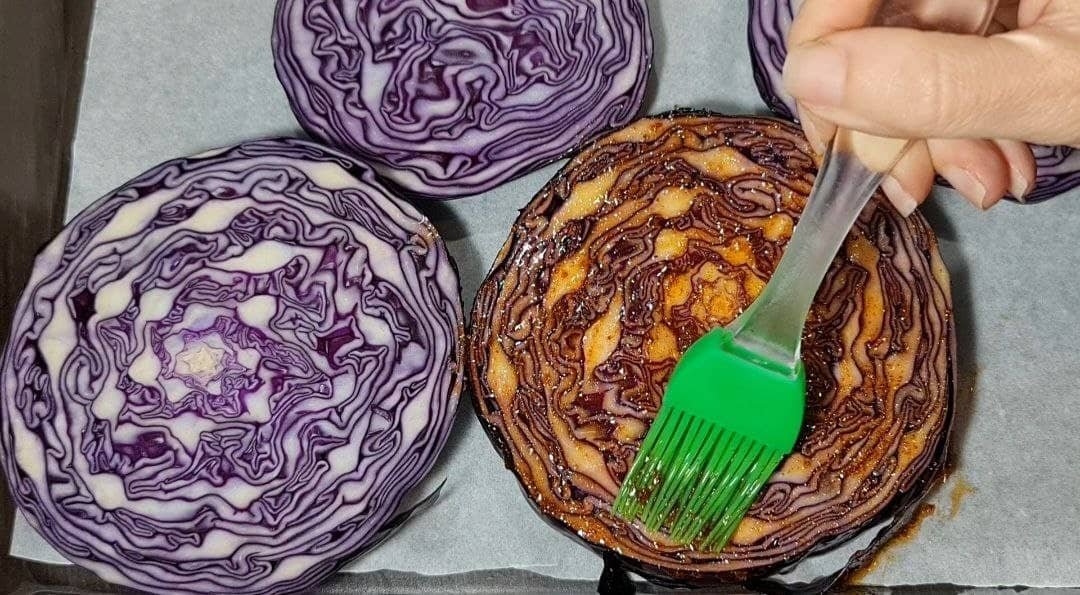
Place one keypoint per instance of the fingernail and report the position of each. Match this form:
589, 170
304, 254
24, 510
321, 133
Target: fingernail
812, 133
1018, 185
901, 199
968, 185
815, 73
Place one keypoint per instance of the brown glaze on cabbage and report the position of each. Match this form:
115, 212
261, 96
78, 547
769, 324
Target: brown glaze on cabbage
648, 238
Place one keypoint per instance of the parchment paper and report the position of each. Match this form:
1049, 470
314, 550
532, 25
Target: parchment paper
166, 79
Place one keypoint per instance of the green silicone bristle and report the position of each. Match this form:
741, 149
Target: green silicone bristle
727, 420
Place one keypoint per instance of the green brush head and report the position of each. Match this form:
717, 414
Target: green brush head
727, 420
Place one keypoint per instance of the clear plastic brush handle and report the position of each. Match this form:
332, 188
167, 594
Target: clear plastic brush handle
854, 166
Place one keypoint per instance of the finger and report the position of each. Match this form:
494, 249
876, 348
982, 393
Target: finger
818, 131
1022, 169
1030, 12
911, 180
919, 84
975, 168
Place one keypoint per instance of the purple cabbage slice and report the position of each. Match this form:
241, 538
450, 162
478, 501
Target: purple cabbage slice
1058, 168
448, 98
224, 376
649, 237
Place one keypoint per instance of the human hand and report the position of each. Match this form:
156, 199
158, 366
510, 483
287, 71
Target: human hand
979, 100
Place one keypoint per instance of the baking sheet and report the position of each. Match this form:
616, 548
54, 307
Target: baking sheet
166, 79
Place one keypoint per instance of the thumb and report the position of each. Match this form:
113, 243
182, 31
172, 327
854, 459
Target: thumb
924, 84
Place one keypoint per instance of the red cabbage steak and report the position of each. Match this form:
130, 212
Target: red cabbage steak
223, 376
648, 238
448, 98
1058, 167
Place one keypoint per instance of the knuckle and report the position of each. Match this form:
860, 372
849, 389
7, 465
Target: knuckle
944, 96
